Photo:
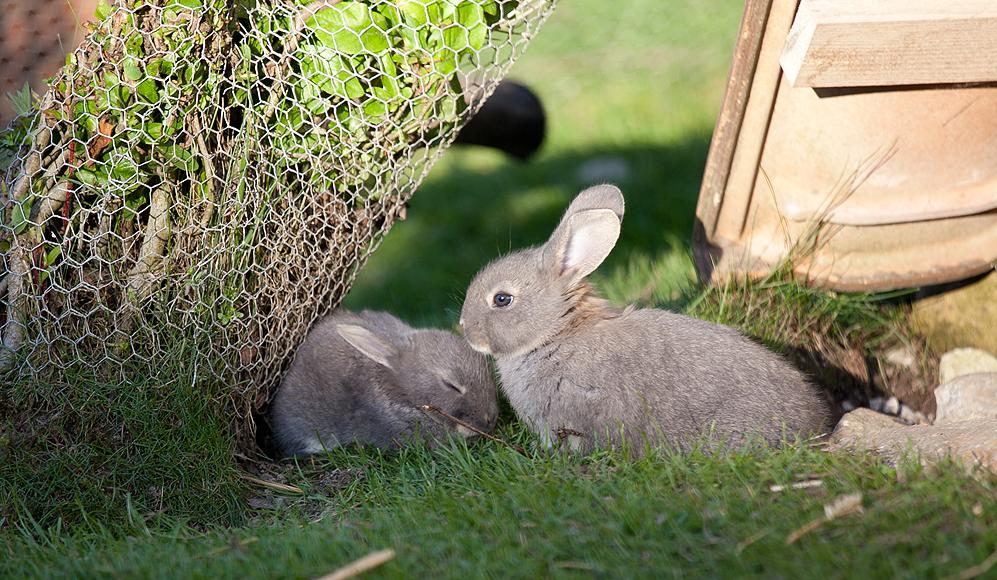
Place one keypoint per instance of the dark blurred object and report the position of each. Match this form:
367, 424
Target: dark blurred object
511, 120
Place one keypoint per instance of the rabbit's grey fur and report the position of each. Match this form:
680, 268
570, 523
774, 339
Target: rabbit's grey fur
573, 367
362, 378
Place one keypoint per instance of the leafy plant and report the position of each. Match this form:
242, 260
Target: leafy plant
193, 155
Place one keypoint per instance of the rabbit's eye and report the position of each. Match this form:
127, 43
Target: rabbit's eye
501, 300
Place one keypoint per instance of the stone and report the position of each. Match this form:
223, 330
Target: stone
973, 442
891, 406
966, 316
967, 397
604, 169
965, 361
901, 356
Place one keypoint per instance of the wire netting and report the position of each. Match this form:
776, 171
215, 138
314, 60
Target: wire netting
217, 171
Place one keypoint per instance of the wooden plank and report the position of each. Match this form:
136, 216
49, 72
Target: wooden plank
863, 43
754, 129
735, 101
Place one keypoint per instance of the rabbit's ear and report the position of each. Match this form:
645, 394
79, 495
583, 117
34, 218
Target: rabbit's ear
367, 343
597, 197
581, 242
450, 380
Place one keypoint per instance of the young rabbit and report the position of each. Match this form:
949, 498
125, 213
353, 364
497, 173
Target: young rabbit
363, 378
575, 368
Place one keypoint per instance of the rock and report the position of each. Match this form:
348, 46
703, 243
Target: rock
891, 406
605, 169
901, 356
965, 361
966, 316
967, 397
876, 404
973, 441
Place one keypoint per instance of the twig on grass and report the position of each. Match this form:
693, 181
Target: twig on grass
489, 436
573, 565
977, 570
281, 487
365, 564
843, 506
798, 485
750, 540
235, 543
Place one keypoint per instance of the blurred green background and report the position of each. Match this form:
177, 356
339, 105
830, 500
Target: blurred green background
631, 91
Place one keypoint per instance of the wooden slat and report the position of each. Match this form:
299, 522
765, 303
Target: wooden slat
754, 128
862, 43
735, 102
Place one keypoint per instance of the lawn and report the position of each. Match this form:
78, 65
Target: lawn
141, 482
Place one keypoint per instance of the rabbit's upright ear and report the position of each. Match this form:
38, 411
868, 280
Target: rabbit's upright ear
587, 232
368, 343
597, 197
582, 242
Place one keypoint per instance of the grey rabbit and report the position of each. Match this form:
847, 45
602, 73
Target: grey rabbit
575, 368
363, 378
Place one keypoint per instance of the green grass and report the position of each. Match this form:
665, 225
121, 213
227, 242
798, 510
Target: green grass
484, 510
79, 451
140, 481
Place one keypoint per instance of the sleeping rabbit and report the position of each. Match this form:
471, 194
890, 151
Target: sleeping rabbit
573, 367
363, 378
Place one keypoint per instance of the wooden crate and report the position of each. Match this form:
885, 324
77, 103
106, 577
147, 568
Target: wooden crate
887, 181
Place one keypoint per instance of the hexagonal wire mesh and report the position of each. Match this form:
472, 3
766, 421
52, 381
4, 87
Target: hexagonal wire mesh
219, 171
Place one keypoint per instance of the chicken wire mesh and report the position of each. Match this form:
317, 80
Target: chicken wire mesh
217, 171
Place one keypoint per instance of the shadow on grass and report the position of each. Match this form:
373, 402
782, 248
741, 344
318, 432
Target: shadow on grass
476, 206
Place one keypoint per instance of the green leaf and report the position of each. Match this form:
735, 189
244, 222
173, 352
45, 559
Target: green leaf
354, 89
446, 61
187, 3
153, 130
180, 158
123, 168
491, 8
20, 212
92, 178
374, 108
134, 46
20, 100
148, 91
52, 255
416, 12
154, 66
132, 70
324, 67
470, 30
390, 13
349, 27
133, 203
470, 14
103, 10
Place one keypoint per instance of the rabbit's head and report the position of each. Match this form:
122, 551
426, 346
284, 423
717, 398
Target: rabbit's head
434, 367
521, 301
